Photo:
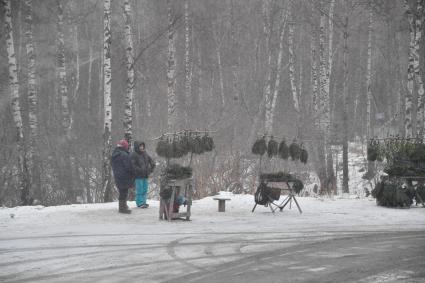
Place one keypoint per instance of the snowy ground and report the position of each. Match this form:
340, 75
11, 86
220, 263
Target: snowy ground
332, 240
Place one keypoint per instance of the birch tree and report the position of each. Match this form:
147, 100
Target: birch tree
313, 76
187, 60
327, 109
265, 101
324, 87
61, 71
322, 71
416, 68
409, 128
267, 88
218, 42
172, 99
345, 187
128, 110
16, 109
292, 69
33, 154
330, 45
107, 77
369, 78
369, 128
270, 115
90, 70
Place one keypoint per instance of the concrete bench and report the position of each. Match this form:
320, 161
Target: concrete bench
221, 203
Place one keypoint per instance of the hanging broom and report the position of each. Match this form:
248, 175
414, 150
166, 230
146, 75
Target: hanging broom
303, 155
294, 151
259, 147
283, 150
272, 148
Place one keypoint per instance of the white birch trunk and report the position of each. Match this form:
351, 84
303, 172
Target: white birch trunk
322, 72
75, 77
33, 156
267, 88
292, 69
330, 45
61, 72
220, 69
416, 68
128, 109
301, 98
271, 109
187, 62
107, 77
89, 79
172, 99
16, 109
265, 102
345, 187
408, 124
329, 158
324, 93
369, 78
148, 106
314, 79
200, 73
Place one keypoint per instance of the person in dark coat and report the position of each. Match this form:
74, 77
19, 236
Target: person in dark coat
123, 170
143, 167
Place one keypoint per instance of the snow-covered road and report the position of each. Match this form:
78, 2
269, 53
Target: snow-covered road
332, 241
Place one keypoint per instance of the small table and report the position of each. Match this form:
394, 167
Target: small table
221, 203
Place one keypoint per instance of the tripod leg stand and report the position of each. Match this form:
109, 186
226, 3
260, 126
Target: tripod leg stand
288, 200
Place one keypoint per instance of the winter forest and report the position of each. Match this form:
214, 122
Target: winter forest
77, 76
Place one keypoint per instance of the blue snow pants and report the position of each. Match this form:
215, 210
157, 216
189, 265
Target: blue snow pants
141, 191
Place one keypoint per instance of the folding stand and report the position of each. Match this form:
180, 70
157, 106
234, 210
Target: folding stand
288, 199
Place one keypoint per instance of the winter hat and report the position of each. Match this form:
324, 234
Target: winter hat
123, 144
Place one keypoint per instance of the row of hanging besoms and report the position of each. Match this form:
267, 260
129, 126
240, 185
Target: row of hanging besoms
295, 150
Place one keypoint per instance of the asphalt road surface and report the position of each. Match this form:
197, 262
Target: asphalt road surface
315, 256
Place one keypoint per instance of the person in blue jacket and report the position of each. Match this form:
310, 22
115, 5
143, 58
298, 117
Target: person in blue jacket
123, 170
143, 167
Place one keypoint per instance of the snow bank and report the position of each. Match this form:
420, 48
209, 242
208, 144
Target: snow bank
319, 214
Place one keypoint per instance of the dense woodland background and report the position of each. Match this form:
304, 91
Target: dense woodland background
323, 72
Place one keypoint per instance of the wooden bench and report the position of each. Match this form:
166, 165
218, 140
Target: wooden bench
221, 203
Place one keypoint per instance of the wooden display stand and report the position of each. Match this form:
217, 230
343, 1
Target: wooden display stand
283, 186
183, 187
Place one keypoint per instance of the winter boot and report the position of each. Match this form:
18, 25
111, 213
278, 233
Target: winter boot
123, 208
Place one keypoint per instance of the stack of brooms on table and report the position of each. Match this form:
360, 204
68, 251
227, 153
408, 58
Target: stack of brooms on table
405, 165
